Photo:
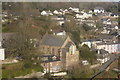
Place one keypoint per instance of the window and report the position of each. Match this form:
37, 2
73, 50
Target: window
58, 50
48, 49
52, 50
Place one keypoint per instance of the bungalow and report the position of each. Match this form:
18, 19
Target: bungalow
46, 13
113, 15
65, 11
63, 48
103, 56
76, 10
59, 32
98, 10
90, 11
56, 12
83, 15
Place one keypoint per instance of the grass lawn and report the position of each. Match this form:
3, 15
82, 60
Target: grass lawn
19, 69
5, 29
108, 74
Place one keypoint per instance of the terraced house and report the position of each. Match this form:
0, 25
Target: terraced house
60, 52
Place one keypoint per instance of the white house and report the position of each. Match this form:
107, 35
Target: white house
98, 10
55, 12
103, 56
70, 8
65, 11
83, 16
112, 15
116, 27
61, 22
85, 62
46, 13
90, 11
111, 47
74, 9
59, 33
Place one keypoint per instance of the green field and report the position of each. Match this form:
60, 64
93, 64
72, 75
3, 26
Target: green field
19, 69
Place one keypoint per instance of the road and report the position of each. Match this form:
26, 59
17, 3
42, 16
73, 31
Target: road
103, 67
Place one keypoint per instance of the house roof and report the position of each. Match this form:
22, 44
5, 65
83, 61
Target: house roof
102, 51
90, 40
105, 37
106, 43
54, 40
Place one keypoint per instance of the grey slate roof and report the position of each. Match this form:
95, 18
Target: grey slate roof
102, 51
107, 43
54, 40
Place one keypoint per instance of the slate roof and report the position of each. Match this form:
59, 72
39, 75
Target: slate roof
105, 37
54, 40
90, 40
102, 51
107, 43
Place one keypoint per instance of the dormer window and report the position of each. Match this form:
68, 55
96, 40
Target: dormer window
54, 57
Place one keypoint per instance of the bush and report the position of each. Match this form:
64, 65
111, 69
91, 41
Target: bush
87, 54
